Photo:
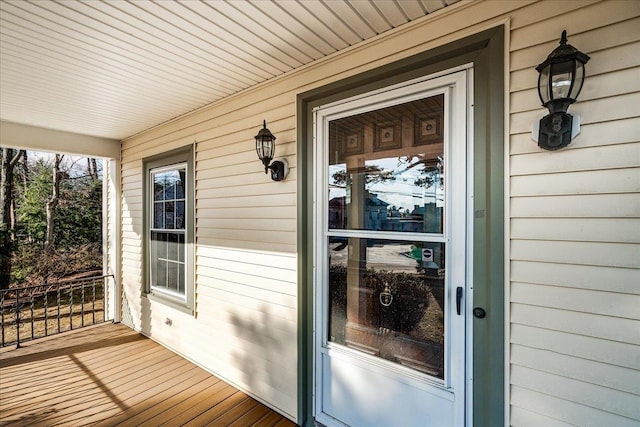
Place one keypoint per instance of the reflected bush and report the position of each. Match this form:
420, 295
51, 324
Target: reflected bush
410, 294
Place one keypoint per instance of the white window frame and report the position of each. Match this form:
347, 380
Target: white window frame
174, 160
176, 231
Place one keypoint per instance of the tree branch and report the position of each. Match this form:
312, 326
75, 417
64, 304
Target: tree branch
15, 159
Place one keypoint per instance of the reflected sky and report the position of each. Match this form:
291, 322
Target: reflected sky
401, 189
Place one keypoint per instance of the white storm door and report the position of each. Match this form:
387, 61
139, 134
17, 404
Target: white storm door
391, 261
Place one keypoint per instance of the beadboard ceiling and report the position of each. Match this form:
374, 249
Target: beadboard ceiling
115, 68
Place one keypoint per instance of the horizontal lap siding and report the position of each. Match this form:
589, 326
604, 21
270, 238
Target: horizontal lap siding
575, 227
245, 328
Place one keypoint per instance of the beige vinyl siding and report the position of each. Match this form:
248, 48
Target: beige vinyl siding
245, 322
575, 228
245, 326
573, 223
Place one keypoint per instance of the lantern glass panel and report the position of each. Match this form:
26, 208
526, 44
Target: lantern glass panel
543, 84
561, 78
265, 149
577, 85
560, 85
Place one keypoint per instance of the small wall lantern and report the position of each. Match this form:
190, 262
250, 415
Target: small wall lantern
559, 83
266, 147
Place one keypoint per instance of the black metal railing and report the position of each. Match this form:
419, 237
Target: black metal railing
38, 311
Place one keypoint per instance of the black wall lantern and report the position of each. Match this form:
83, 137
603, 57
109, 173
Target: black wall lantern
559, 83
266, 148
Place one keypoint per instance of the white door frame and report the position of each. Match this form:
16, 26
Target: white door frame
456, 84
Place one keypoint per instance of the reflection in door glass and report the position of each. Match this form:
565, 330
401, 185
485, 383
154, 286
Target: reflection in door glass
386, 169
386, 298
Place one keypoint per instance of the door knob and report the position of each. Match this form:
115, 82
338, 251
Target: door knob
479, 312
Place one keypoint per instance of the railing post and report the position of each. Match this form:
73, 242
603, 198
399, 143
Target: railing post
31, 308
82, 305
17, 318
93, 301
46, 312
58, 303
71, 306
2, 308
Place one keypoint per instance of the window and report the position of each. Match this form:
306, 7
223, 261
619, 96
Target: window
169, 228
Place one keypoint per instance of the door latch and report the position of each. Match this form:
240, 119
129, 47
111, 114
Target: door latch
458, 299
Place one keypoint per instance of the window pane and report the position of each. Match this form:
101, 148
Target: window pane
180, 184
161, 274
174, 247
167, 254
158, 186
172, 276
158, 215
169, 215
386, 298
181, 279
180, 212
172, 179
386, 169
158, 245
181, 252
162, 252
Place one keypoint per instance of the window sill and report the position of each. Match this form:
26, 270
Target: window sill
169, 302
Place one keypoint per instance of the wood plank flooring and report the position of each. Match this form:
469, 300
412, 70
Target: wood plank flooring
109, 375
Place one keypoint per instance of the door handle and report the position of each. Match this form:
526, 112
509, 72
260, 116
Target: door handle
458, 299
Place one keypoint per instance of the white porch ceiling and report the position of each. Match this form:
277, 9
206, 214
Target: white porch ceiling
115, 68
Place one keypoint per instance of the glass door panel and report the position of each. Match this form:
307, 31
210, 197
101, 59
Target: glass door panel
386, 174
386, 169
386, 299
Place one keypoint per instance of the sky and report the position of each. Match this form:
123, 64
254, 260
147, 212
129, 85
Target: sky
400, 192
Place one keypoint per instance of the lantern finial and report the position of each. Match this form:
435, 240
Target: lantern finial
563, 37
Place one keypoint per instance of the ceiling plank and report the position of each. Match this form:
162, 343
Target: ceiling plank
116, 68
372, 15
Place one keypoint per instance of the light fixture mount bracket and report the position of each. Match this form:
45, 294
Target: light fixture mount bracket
279, 169
555, 131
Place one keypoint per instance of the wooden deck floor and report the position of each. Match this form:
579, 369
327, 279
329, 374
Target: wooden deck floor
110, 375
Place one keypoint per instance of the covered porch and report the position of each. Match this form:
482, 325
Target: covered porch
548, 241
110, 375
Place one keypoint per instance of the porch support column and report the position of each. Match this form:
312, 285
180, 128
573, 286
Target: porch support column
111, 220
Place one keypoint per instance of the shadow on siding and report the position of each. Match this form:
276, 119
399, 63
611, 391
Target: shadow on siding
267, 355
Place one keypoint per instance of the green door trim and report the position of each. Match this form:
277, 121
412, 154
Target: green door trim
486, 51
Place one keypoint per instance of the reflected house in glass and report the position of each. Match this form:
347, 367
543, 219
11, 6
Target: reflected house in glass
380, 215
430, 216
375, 216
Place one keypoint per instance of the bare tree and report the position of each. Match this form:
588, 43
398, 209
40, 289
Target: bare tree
53, 201
24, 173
92, 168
9, 159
